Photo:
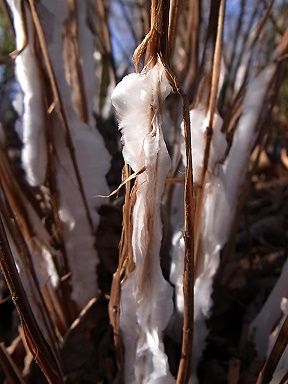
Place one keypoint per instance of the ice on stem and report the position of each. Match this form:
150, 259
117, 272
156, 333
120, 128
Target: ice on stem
146, 297
32, 123
263, 324
222, 184
92, 160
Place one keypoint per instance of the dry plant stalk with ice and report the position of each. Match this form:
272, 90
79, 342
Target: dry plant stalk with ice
146, 297
49, 220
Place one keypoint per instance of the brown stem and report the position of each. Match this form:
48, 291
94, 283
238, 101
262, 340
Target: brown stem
193, 48
278, 349
216, 63
125, 259
173, 22
72, 60
155, 43
58, 102
35, 339
11, 371
209, 132
188, 276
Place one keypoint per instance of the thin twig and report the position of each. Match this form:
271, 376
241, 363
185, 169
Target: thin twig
11, 371
272, 361
35, 339
184, 373
124, 267
173, 22
209, 132
57, 101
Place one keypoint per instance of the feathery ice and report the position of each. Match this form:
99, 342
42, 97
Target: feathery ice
146, 298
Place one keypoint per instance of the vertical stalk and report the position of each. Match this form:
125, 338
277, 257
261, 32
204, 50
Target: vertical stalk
173, 21
211, 111
57, 102
278, 349
188, 276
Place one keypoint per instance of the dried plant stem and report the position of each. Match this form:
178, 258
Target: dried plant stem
209, 132
260, 25
34, 337
173, 22
236, 59
216, 64
237, 32
69, 307
9, 368
18, 207
188, 276
104, 37
233, 371
284, 379
193, 48
57, 102
272, 361
155, 43
24, 253
72, 62
124, 266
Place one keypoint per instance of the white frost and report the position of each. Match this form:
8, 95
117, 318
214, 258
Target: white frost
146, 297
282, 366
91, 156
263, 324
34, 152
221, 189
199, 123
